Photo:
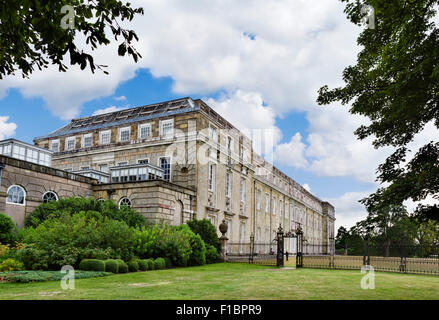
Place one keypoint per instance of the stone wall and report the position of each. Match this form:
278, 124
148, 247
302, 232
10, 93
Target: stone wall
37, 180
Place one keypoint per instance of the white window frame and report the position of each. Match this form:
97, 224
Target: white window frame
213, 133
101, 134
56, 195
163, 122
88, 135
229, 184
144, 125
129, 134
24, 197
51, 145
66, 147
211, 176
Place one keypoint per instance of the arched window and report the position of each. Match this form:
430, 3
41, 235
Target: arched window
125, 202
50, 196
16, 195
101, 200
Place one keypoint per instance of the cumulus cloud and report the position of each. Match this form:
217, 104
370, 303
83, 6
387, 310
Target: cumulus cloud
121, 98
7, 129
107, 110
307, 187
292, 153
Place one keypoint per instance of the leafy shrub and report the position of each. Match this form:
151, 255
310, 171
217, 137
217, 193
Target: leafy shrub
207, 231
122, 266
164, 241
143, 265
11, 265
198, 248
70, 239
150, 263
33, 258
168, 263
71, 206
7, 229
159, 264
92, 265
34, 276
133, 266
111, 266
212, 254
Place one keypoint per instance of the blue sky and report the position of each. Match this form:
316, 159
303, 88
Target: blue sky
260, 70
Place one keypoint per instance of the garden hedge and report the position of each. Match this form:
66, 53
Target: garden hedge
111, 266
133, 266
92, 265
143, 265
123, 267
159, 264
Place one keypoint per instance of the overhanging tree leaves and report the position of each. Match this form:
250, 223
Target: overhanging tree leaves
395, 84
31, 34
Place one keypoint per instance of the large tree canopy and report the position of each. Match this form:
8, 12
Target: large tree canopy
32, 33
395, 84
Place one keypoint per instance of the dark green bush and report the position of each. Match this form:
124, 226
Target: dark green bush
122, 266
111, 266
150, 263
143, 265
159, 264
71, 206
198, 248
70, 239
212, 254
168, 263
207, 231
164, 241
92, 265
133, 266
7, 229
33, 258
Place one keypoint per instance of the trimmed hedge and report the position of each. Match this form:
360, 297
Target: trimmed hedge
111, 266
34, 276
133, 266
143, 265
159, 264
150, 263
7, 229
92, 265
123, 267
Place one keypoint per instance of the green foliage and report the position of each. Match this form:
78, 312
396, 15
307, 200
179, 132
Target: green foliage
168, 263
92, 265
40, 38
71, 238
395, 84
122, 266
198, 254
207, 232
150, 263
33, 258
133, 266
212, 254
143, 265
11, 265
7, 229
164, 241
159, 264
38, 276
71, 206
111, 265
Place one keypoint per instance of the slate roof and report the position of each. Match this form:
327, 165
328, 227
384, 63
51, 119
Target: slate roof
127, 116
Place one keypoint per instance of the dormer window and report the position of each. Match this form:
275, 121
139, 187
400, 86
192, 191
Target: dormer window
124, 134
70, 143
55, 146
144, 131
105, 137
87, 140
167, 127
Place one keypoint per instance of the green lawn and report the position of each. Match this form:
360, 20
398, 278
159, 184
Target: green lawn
233, 281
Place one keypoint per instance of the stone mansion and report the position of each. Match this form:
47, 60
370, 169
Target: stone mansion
172, 161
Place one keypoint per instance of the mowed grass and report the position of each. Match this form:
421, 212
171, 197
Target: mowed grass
233, 281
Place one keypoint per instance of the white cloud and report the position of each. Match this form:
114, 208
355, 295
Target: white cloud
307, 187
348, 210
292, 153
107, 110
7, 129
121, 98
